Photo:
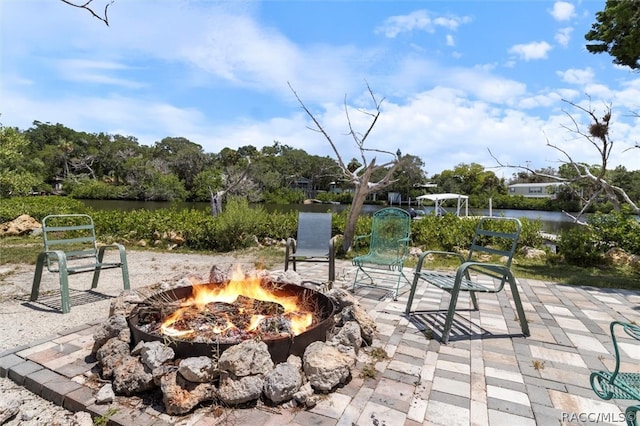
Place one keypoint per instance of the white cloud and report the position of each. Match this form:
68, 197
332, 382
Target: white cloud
576, 76
562, 11
531, 51
420, 20
563, 36
95, 71
450, 40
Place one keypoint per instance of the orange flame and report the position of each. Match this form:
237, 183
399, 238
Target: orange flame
240, 285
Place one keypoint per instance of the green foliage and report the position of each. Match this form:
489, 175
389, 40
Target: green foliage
448, 232
283, 196
38, 207
617, 229
530, 233
203, 182
587, 245
237, 227
581, 246
17, 177
617, 32
94, 190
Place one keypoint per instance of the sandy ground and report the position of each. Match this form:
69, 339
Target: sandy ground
23, 322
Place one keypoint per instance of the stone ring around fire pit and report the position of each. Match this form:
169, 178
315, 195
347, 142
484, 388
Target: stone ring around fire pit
272, 327
239, 349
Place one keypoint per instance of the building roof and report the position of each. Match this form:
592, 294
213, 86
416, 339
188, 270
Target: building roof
443, 196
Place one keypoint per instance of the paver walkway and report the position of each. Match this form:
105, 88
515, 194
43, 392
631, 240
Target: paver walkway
488, 373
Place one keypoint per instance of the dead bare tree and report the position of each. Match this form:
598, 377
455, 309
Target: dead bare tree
216, 197
361, 177
597, 135
87, 6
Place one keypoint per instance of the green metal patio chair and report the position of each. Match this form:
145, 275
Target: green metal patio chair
389, 241
494, 236
616, 384
70, 247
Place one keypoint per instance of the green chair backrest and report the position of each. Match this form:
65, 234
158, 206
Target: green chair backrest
390, 232
73, 234
495, 236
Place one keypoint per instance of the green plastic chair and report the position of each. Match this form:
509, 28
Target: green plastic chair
70, 247
382, 266
616, 384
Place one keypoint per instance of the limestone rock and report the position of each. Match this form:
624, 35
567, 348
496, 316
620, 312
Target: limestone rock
82, 418
199, 369
281, 383
23, 224
131, 377
107, 330
296, 361
217, 275
237, 391
153, 354
111, 354
125, 302
105, 394
286, 277
248, 357
305, 394
364, 320
349, 336
9, 408
617, 257
533, 253
325, 366
180, 396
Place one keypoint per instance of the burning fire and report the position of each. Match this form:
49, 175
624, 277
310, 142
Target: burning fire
250, 287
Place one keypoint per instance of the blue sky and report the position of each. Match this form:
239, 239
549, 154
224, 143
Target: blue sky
457, 77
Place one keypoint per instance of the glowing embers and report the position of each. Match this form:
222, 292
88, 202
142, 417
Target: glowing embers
243, 308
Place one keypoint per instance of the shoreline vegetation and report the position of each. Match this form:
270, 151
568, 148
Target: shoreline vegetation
585, 253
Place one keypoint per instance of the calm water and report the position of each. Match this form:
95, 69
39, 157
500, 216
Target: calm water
552, 222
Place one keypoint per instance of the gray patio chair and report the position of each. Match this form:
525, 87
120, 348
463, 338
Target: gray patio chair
313, 242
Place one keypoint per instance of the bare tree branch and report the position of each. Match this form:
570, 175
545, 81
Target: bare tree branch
215, 199
361, 177
598, 136
87, 6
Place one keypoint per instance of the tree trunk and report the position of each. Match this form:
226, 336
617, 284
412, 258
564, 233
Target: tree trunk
361, 191
216, 202
352, 219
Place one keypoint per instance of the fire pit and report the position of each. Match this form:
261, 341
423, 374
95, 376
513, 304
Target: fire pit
206, 319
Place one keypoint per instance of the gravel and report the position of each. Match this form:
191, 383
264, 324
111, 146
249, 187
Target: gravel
23, 322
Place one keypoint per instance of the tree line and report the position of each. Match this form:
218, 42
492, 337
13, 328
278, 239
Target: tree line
103, 166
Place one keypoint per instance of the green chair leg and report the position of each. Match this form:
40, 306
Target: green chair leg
524, 325
631, 414
37, 278
450, 314
64, 284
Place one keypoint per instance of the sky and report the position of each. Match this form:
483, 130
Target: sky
457, 81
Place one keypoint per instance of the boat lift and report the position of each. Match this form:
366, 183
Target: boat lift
462, 207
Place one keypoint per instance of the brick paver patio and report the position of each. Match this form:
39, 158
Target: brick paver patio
488, 373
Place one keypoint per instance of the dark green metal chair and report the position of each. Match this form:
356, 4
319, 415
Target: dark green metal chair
382, 266
496, 237
70, 247
616, 384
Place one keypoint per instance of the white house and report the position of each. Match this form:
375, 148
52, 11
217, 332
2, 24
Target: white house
535, 190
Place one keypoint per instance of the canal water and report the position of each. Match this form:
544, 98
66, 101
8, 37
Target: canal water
552, 222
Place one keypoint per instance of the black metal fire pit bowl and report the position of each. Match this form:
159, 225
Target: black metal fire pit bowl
279, 348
